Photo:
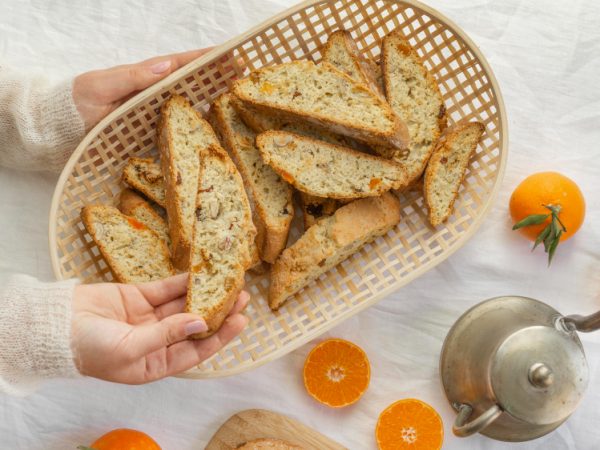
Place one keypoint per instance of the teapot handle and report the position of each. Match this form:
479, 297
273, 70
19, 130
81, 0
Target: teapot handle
462, 429
582, 323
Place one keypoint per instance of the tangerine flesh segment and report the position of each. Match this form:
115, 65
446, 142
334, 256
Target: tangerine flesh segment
336, 373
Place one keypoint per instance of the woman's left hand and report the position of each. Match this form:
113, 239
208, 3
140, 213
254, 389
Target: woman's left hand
99, 92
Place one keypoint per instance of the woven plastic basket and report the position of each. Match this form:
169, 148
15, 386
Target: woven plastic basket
470, 92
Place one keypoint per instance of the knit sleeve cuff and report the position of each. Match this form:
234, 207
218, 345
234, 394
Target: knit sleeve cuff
62, 122
35, 333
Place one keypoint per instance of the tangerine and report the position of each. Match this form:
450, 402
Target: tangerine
336, 373
409, 424
123, 439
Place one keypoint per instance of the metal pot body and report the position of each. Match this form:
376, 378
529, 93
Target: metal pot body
502, 369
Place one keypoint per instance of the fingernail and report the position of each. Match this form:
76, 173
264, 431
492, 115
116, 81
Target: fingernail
197, 326
160, 67
244, 296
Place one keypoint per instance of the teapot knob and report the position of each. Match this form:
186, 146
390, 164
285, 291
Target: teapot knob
540, 375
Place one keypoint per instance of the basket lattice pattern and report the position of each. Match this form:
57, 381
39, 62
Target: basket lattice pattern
408, 251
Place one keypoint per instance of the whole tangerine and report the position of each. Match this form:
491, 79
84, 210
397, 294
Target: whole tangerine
548, 208
123, 439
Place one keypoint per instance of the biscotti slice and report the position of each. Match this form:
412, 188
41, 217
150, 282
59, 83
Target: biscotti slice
447, 167
316, 208
260, 121
181, 135
342, 53
222, 239
134, 252
414, 95
328, 170
326, 97
269, 444
135, 206
145, 176
270, 195
329, 242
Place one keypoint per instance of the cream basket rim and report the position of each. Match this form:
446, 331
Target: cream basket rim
217, 51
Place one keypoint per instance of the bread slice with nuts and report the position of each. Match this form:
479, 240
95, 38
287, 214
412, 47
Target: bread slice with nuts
131, 204
329, 242
145, 176
182, 134
325, 97
260, 121
414, 95
270, 196
134, 252
223, 237
447, 167
327, 170
342, 53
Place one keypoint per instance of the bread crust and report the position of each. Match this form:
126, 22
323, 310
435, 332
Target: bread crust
122, 277
329, 242
396, 39
396, 137
442, 150
262, 141
271, 238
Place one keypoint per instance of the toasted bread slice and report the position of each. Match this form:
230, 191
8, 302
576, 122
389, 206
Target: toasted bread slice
134, 252
145, 176
323, 96
414, 95
260, 121
327, 170
182, 134
329, 242
447, 167
270, 196
222, 240
131, 204
316, 208
269, 444
342, 53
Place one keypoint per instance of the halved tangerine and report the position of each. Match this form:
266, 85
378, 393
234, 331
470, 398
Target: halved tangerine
409, 424
337, 373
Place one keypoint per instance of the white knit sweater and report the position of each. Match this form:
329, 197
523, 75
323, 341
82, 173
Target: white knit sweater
39, 128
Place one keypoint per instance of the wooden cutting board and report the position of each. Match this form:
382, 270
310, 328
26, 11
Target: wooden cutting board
258, 423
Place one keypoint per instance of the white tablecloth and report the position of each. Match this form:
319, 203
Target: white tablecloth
546, 55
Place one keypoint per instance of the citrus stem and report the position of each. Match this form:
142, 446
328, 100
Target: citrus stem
551, 234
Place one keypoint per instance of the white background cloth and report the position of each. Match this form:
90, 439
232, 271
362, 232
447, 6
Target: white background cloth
546, 55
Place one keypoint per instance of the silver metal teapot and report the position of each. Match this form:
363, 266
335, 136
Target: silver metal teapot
514, 369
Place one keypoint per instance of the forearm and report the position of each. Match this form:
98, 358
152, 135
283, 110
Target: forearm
39, 123
35, 330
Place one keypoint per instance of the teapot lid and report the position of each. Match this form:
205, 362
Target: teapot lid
539, 374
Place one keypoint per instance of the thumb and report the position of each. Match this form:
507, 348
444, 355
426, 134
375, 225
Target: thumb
145, 339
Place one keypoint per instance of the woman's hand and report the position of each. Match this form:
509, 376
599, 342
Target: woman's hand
137, 333
100, 92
